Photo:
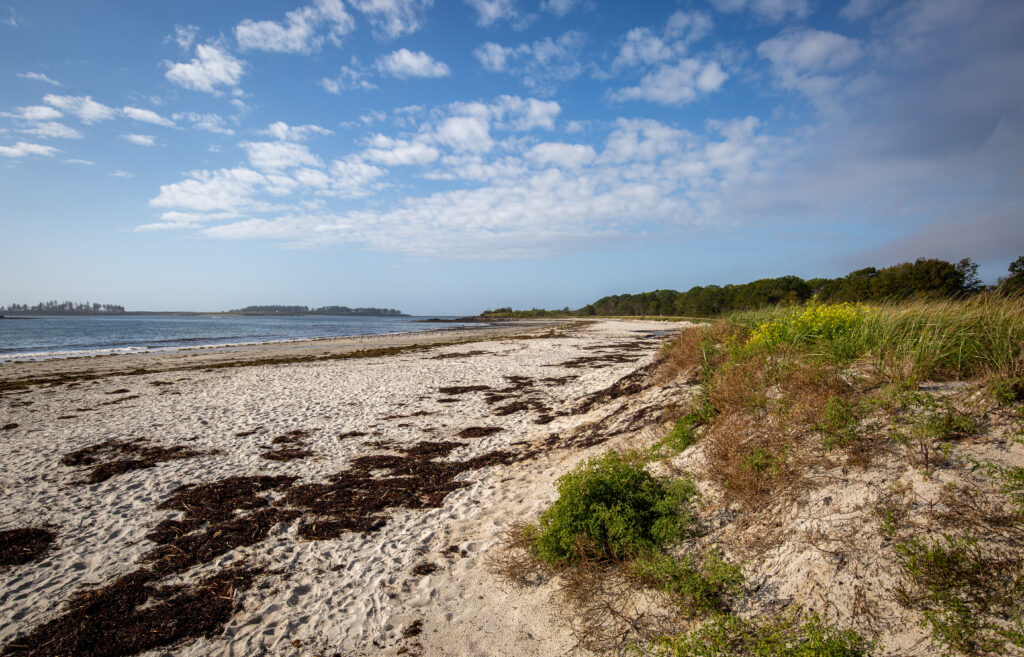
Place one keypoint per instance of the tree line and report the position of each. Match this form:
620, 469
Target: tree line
63, 308
925, 278
323, 310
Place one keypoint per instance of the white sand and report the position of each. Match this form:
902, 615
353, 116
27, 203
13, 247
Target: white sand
352, 595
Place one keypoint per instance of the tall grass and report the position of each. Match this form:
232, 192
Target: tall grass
951, 339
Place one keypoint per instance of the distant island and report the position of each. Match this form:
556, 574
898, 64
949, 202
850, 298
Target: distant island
63, 308
323, 310
88, 308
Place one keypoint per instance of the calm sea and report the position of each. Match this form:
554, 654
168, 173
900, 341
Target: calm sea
60, 337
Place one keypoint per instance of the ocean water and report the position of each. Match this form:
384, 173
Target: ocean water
44, 337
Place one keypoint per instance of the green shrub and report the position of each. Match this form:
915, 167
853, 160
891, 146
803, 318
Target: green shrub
960, 590
611, 508
682, 435
697, 585
838, 423
786, 636
1007, 390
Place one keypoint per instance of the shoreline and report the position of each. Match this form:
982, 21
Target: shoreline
475, 427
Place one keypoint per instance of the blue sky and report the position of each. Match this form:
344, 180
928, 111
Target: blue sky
448, 156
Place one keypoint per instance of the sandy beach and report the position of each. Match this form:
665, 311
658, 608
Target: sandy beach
333, 504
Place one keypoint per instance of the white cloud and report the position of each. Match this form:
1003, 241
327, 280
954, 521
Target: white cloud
84, 107
284, 132
86, 163
210, 68
399, 152
146, 116
226, 190
276, 155
558, 7
811, 61
349, 77
676, 84
525, 114
185, 35
208, 122
299, 33
540, 64
353, 178
811, 50
52, 129
122, 174
465, 133
493, 56
140, 140
490, 11
568, 156
642, 46
23, 149
771, 10
37, 113
41, 77
404, 63
393, 18
13, 19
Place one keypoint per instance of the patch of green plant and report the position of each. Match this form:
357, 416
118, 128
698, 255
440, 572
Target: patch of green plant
609, 507
761, 460
1011, 482
961, 592
838, 423
698, 586
947, 423
682, 435
790, 635
1007, 390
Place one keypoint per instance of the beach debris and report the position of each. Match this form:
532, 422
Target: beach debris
24, 544
424, 568
461, 390
479, 432
249, 432
114, 457
460, 354
9, 426
294, 441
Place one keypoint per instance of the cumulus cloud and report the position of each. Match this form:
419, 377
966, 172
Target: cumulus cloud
36, 113
299, 33
24, 149
146, 116
393, 18
857, 9
808, 61
404, 63
465, 133
399, 152
86, 163
41, 77
539, 65
643, 46
54, 130
140, 140
284, 132
349, 77
84, 107
277, 155
558, 7
676, 84
209, 69
211, 191
185, 35
209, 122
567, 156
491, 11
770, 10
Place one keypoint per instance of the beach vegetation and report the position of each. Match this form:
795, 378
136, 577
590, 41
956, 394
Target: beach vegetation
609, 508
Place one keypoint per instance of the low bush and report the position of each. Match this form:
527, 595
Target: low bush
697, 585
609, 508
789, 635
